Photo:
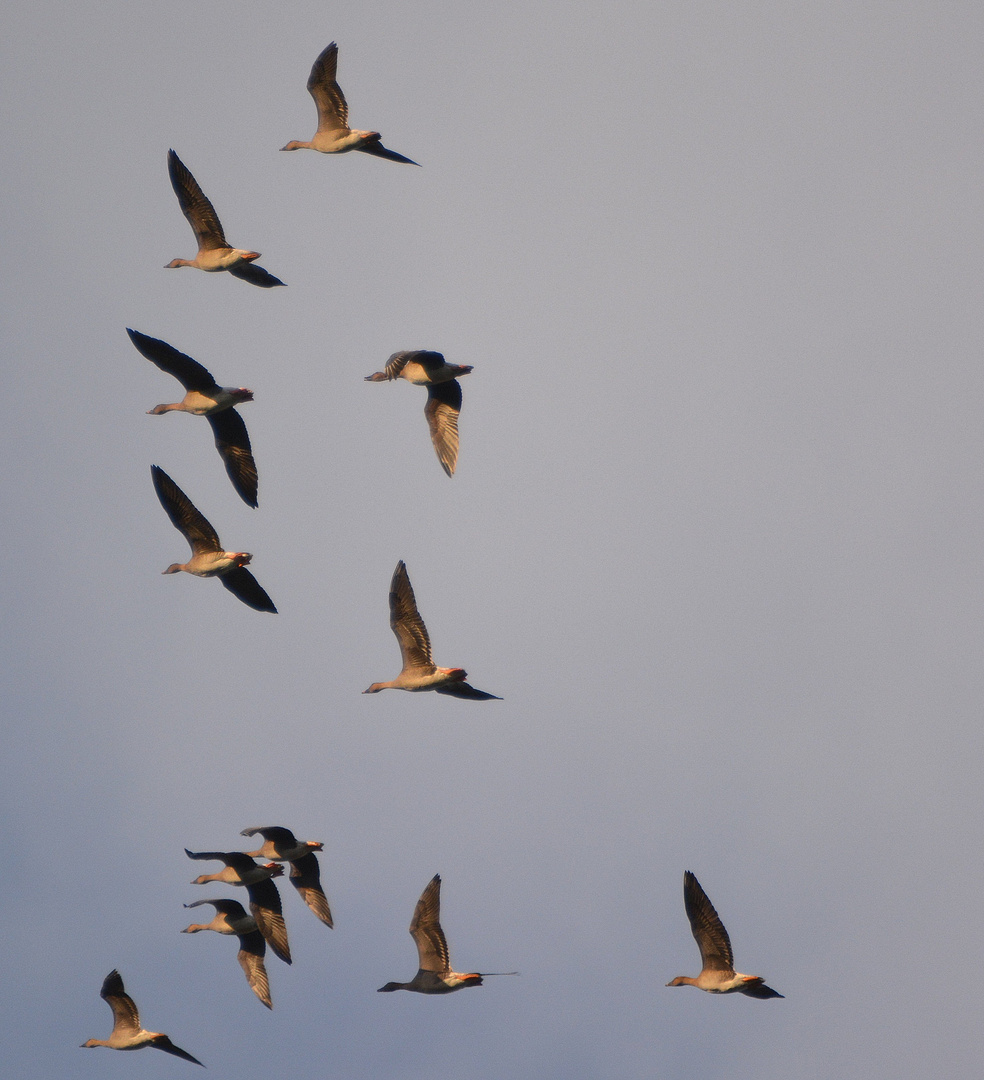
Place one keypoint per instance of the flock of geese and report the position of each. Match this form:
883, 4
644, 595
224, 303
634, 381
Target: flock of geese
264, 923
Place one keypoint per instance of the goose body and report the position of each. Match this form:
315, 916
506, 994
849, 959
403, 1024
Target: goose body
424, 368
208, 557
718, 975
231, 918
204, 397
334, 136
214, 253
435, 975
282, 845
419, 671
128, 1033
264, 899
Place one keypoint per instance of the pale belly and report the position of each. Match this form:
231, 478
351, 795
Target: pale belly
336, 142
218, 563
220, 259
420, 376
202, 404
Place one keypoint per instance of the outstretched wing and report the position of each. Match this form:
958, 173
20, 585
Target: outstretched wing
463, 690
327, 94
376, 148
708, 930
255, 275
305, 876
185, 517
162, 1042
188, 372
397, 362
756, 988
241, 583
425, 928
232, 909
406, 623
252, 949
125, 1015
232, 443
282, 837
441, 410
268, 911
195, 206
238, 860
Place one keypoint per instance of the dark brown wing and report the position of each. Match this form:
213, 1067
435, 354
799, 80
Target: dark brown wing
238, 860
255, 275
184, 516
441, 410
232, 909
195, 206
283, 839
125, 1014
162, 1042
757, 989
252, 949
708, 930
241, 583
327, 94
376, 148
188, 372
232, 443
397, 362
428, 360
266, 908
463, 690
406, 623
305, 876
425, 929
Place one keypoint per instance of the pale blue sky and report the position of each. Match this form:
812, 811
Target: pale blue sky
715, 533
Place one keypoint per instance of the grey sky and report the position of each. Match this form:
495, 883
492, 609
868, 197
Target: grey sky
715, 533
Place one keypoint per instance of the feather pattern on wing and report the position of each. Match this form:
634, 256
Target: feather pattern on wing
425, 928
125, 1014
184, 515
406, 623
252, 949
195, 205
708, 930
188, 372
327, 94
232, 443
305, 876
442, 409
266, 907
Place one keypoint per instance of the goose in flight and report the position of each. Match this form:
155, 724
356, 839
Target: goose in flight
208, 559
127, 1034
430, 369
419, 671
281, 845
718, 975
214, 253
204, 397
231, 918
435, 975
334, 136
264, 899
